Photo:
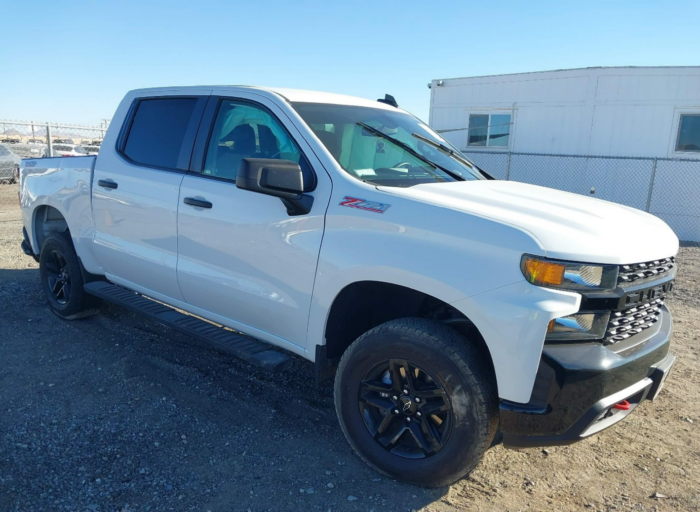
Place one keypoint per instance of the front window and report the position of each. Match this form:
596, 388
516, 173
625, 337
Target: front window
689, 133
490, 130
384, 147
243, 130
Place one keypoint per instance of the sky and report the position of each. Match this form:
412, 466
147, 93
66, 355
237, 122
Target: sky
73, 61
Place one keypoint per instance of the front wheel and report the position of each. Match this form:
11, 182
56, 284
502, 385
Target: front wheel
417, 401
62, 280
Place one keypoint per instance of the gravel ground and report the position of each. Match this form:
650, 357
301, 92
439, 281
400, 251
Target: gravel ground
118, 413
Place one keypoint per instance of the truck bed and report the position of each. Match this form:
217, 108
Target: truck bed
64, 184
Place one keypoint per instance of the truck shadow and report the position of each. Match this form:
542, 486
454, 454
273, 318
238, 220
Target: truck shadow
147, 409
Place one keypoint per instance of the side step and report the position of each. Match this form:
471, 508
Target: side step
244, 347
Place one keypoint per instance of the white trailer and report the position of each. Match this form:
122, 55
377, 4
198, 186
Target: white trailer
627, 112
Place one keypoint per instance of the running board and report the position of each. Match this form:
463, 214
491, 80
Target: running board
243, 347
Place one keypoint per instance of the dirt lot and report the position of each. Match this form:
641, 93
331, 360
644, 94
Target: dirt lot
118, 413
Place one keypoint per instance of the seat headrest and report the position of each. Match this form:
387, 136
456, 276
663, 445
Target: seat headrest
243, 138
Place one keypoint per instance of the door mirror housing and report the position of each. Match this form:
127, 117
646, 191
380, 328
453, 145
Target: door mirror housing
279, 178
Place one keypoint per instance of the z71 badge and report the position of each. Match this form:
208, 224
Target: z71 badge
361, 204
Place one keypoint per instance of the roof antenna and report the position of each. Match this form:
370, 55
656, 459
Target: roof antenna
389, 100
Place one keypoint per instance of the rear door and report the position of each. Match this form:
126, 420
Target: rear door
136, 189
242, 258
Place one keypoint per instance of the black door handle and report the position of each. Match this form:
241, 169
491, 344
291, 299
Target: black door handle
107, 184
197, 202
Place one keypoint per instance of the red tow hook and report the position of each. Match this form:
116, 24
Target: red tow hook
623, 406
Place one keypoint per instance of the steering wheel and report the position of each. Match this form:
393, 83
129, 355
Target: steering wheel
402, 165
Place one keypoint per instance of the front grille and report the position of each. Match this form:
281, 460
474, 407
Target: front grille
647, 271
642, 308
628, 322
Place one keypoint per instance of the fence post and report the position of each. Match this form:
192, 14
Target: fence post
48, 139
510, 153
651, 183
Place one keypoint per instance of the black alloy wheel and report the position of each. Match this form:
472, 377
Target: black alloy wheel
62, 279
58, 275
405, 409
417, 401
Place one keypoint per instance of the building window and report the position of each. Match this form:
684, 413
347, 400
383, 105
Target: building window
491, 130
689, 133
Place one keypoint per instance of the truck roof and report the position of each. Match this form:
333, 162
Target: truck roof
293, 95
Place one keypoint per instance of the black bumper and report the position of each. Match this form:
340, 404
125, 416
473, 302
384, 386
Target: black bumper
27, 247
578, 385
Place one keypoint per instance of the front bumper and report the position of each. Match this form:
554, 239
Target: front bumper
578, 385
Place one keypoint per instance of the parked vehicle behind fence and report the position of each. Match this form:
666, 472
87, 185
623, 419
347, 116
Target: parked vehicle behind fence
68, 150
8, 162
446, 305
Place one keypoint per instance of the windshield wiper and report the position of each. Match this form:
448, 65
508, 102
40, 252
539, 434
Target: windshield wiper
410, 150
443, 148
452, 153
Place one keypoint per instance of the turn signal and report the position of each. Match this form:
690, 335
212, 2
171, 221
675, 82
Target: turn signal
542, 272
550, 327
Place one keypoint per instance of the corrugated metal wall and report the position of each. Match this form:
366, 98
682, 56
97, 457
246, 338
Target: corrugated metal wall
597, 111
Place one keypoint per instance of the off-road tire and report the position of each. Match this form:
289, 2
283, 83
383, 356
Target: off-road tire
456, 364
78, 304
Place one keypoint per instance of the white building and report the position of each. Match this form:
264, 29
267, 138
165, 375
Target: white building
645, 115
626, 111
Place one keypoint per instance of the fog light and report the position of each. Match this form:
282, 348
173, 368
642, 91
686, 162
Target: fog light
580, 326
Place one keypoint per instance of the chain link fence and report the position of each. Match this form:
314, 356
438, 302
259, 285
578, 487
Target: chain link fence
666, 187
29, 139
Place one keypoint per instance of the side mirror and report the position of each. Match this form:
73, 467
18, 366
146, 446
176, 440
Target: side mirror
279, 178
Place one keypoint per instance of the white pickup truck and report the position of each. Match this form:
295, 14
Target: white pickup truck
448, 305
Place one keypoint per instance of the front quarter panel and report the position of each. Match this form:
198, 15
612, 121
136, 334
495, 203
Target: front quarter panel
513, 321
444, 253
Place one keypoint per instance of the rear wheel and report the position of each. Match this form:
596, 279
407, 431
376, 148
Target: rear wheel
417, 401
62, 280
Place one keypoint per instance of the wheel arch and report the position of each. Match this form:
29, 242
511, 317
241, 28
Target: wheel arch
363, 305
47, 219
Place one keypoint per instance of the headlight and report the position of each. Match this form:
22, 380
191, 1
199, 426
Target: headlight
579, 326
568, 276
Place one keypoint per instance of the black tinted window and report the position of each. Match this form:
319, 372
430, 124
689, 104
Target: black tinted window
158, 130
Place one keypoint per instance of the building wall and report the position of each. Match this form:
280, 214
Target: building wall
592, 111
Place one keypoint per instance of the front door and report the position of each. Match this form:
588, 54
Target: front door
135, 194
241, 256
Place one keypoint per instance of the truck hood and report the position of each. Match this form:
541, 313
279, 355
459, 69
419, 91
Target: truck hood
567, 226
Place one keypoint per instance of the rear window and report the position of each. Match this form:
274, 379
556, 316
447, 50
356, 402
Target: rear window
157, 131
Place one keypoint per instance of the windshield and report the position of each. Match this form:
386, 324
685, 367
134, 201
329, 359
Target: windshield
384, 147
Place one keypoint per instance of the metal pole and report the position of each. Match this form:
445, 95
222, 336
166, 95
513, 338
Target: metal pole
48, 139
651, 184
508, 166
